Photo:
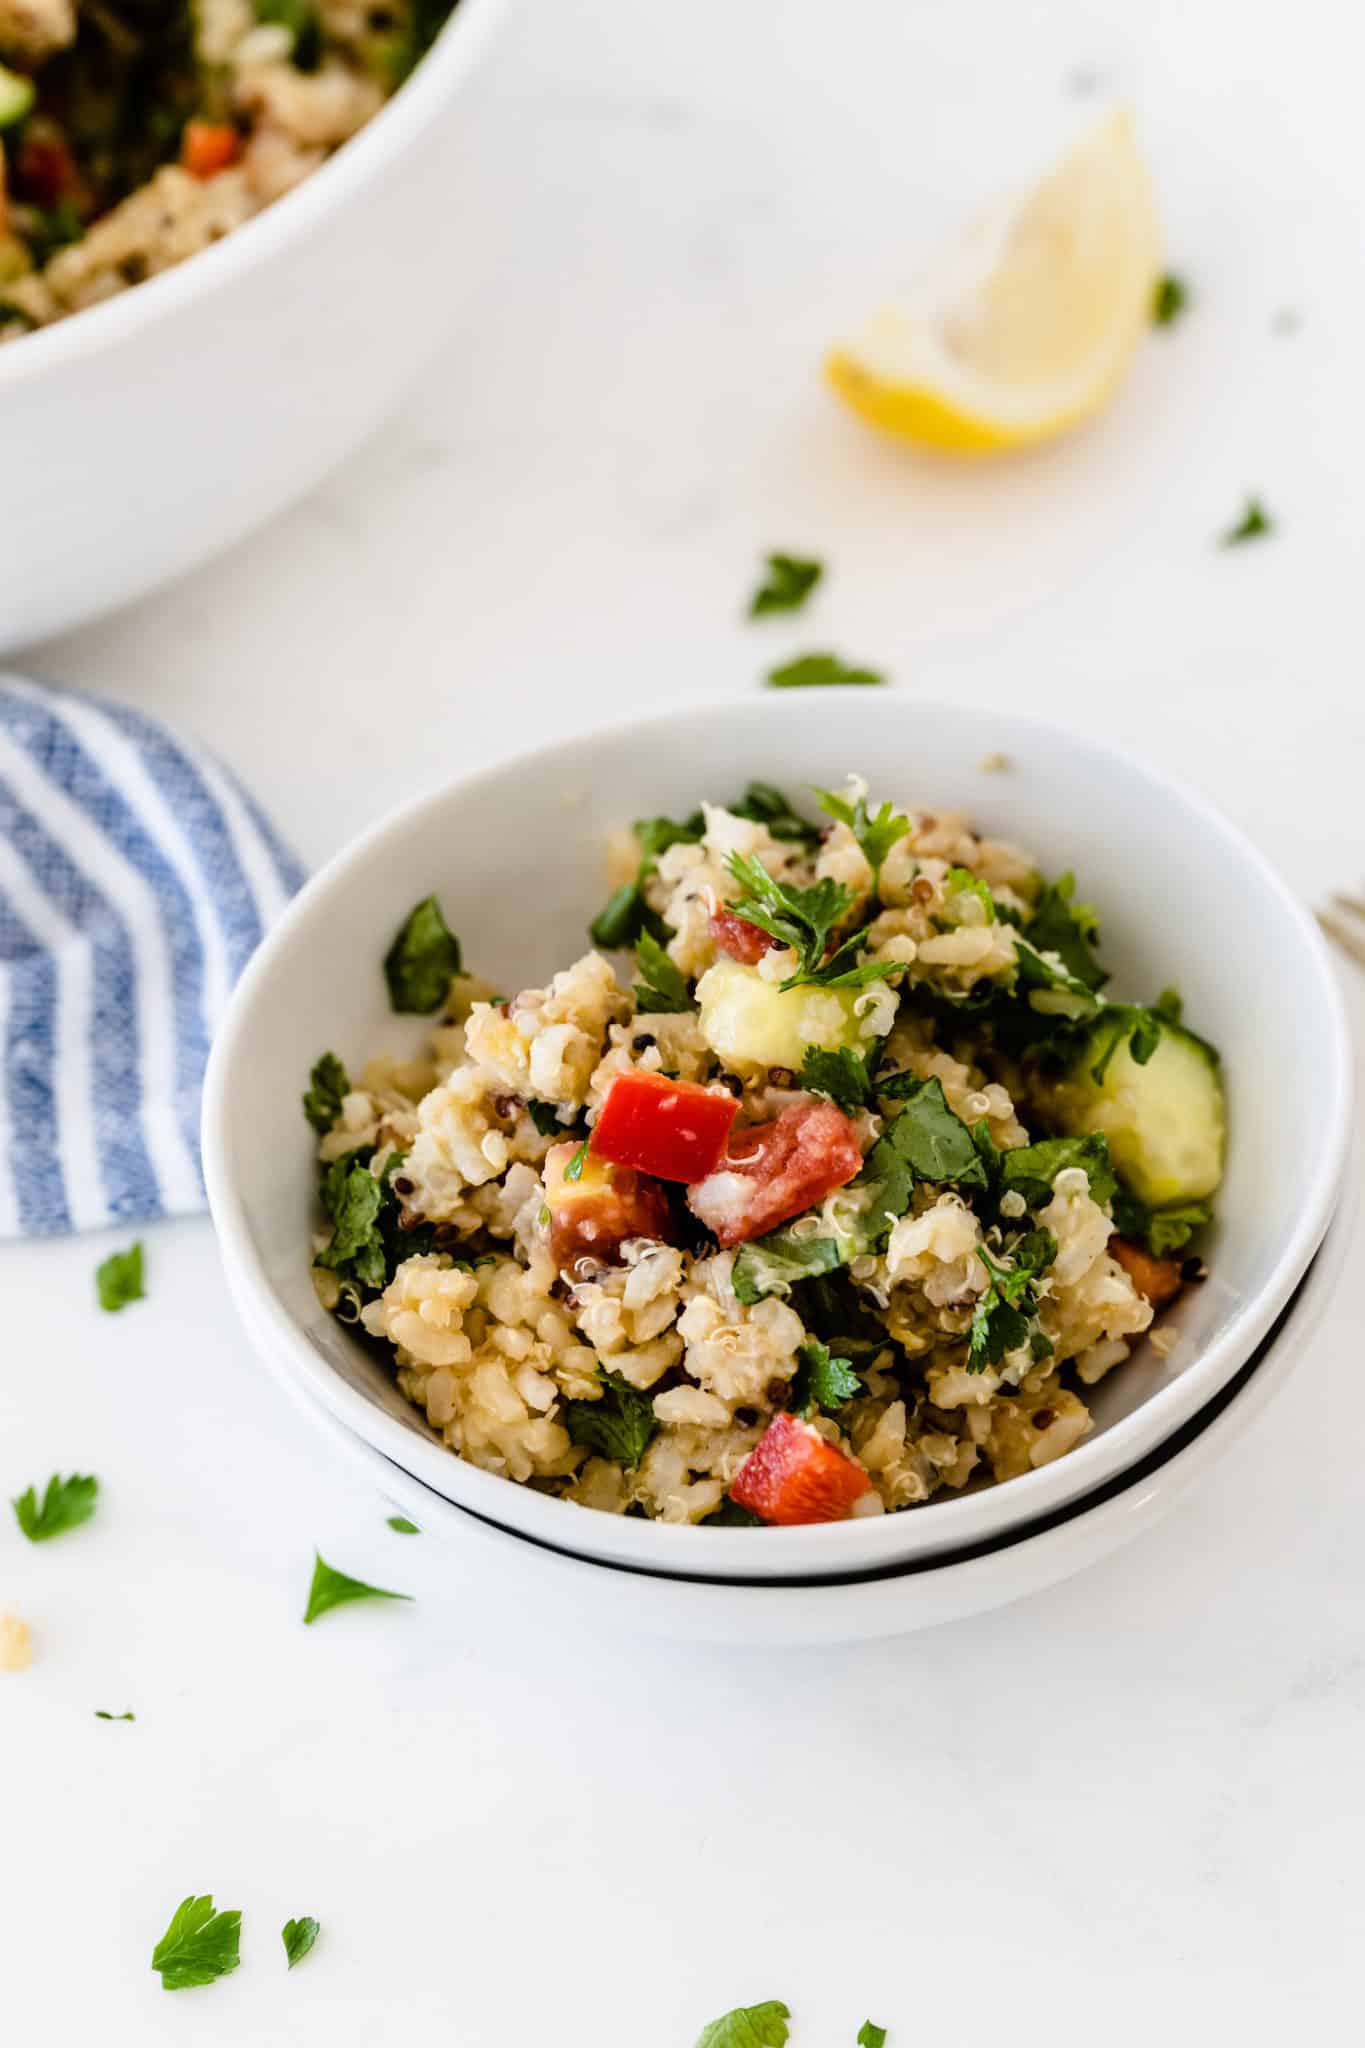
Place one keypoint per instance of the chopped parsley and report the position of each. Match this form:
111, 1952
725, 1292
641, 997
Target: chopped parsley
301, 19
355, 1201
1169, 299
545, 1117
876, 832
1163, 1231
804, 920
298, 1937
574, 1169
774, 1264
626, 912
328, 1085
118, 1279
823, 1382
335, 1589
1253, 524
661, 986
1031, 1170
927, 1141
422, 961
762, 804
402, 1526
619, 1426
1069, 929
199, 1946
730, 1515
101, 1714
1003, 1320
789, 581
820, 671
870, 2035
65, 1505
841, 1075
749, 2026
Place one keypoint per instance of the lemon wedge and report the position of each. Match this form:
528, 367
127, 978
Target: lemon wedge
1026, 325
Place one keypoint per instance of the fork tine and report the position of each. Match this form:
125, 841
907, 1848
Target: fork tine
1351, 941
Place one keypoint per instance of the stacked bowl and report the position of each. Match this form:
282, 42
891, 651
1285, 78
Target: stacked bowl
515, 856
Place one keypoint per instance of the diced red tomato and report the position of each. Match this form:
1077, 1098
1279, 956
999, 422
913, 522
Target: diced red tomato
207, 147
1158, 1280
775, 1170
737, 937
792, 1475
591, 1217
45, 171
672, 1129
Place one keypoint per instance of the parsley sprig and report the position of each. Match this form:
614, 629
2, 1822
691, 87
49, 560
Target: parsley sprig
789, 581
662, 986
331, 1588
805, 920
199, 1946
749, 2026
618, 1426
65, 1505
328, 1086
823, 1382
1004, 1316
875, 831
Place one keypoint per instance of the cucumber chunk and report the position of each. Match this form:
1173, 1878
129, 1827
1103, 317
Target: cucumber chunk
751, 1023
1165, 1122
16, 96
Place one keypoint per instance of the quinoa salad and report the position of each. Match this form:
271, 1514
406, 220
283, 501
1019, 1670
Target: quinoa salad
134, 133
827, 1179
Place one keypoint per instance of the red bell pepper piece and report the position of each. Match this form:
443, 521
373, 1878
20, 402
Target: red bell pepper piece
793, 1475
207, 147
675, 1130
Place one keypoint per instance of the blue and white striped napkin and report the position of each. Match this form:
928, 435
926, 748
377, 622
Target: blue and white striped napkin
136, 877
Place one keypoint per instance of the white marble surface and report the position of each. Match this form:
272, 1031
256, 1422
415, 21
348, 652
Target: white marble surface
1149, 1782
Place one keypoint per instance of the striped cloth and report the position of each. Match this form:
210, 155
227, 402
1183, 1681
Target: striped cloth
136, 877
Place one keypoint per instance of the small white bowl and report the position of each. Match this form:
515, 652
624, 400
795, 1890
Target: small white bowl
146, 433
514, 854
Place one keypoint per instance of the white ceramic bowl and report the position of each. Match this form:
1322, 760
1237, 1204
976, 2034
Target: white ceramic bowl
147, 432
515, 855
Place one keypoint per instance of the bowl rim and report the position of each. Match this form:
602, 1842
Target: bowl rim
382, 140
787, 1551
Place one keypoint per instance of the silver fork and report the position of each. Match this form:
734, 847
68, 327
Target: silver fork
1344, 923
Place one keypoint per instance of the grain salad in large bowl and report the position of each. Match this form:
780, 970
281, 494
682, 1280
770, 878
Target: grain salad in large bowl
818, 1179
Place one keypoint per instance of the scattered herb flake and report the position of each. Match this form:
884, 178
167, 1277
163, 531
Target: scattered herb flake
841, 1075
876, 832
298, 1937
545, 1117
422, 961
1031, 1170
749, 2026
619, 1426
821, 671
762, 804
118, 1279
870, 2035
1003, 1313
1169, 299
822, 1382
65, 1505
355, 1201
199, 1946
661, 986
335, 1589
328, 1084
774, 1264
102, 1715
1069, 929
1253, 524
574, 1169
788, 583
402, 1526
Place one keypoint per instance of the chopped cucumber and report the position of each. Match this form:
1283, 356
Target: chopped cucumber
1165, 1121
16, 96
749, 1022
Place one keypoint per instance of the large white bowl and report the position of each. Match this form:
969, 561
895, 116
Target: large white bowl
515, 855
145, 433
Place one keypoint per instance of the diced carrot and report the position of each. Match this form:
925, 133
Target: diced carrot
207, 147
1158, 1280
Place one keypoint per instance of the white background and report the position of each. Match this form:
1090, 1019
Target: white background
1130, 1807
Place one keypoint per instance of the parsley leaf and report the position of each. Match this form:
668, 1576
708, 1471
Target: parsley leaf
927, 1141
298, 1937
626, 913
820, 671
335, 1589
1169, 299
661, 986
822, 1382
876, 832
619, 1426
1253, 524
1003, 1313
355, 1201
788, 583
327, 1085
762, 804
118, 1279
402, 1526
1070, 930
749, 2026
199, 1946
1163, 1231
422, 961
730, 1515
101, 1715
65, 1505
774, 1264
870, 2035
1031, 1170
574, 1169
545, 1117
804, 920
841, 1075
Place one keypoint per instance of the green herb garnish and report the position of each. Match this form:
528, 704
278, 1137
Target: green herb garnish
927, 1141
822, 1382
661, 986
1004, 1312
774, 1264
804, 920
574, 1169
619, 1426
422, 961
303, 24
102, 1715
199, 1946
298, 1937
730, 1515
402, 1526
841, 1075
335, 1589
1169, 299
545, 1117
1253, 524
749, 2026
328, 1085
1069, 929
821, 671
1032, 1170
762, 804
876, 832
870, 2035
65, 1505
118, 1279
355, 1201
788, 583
